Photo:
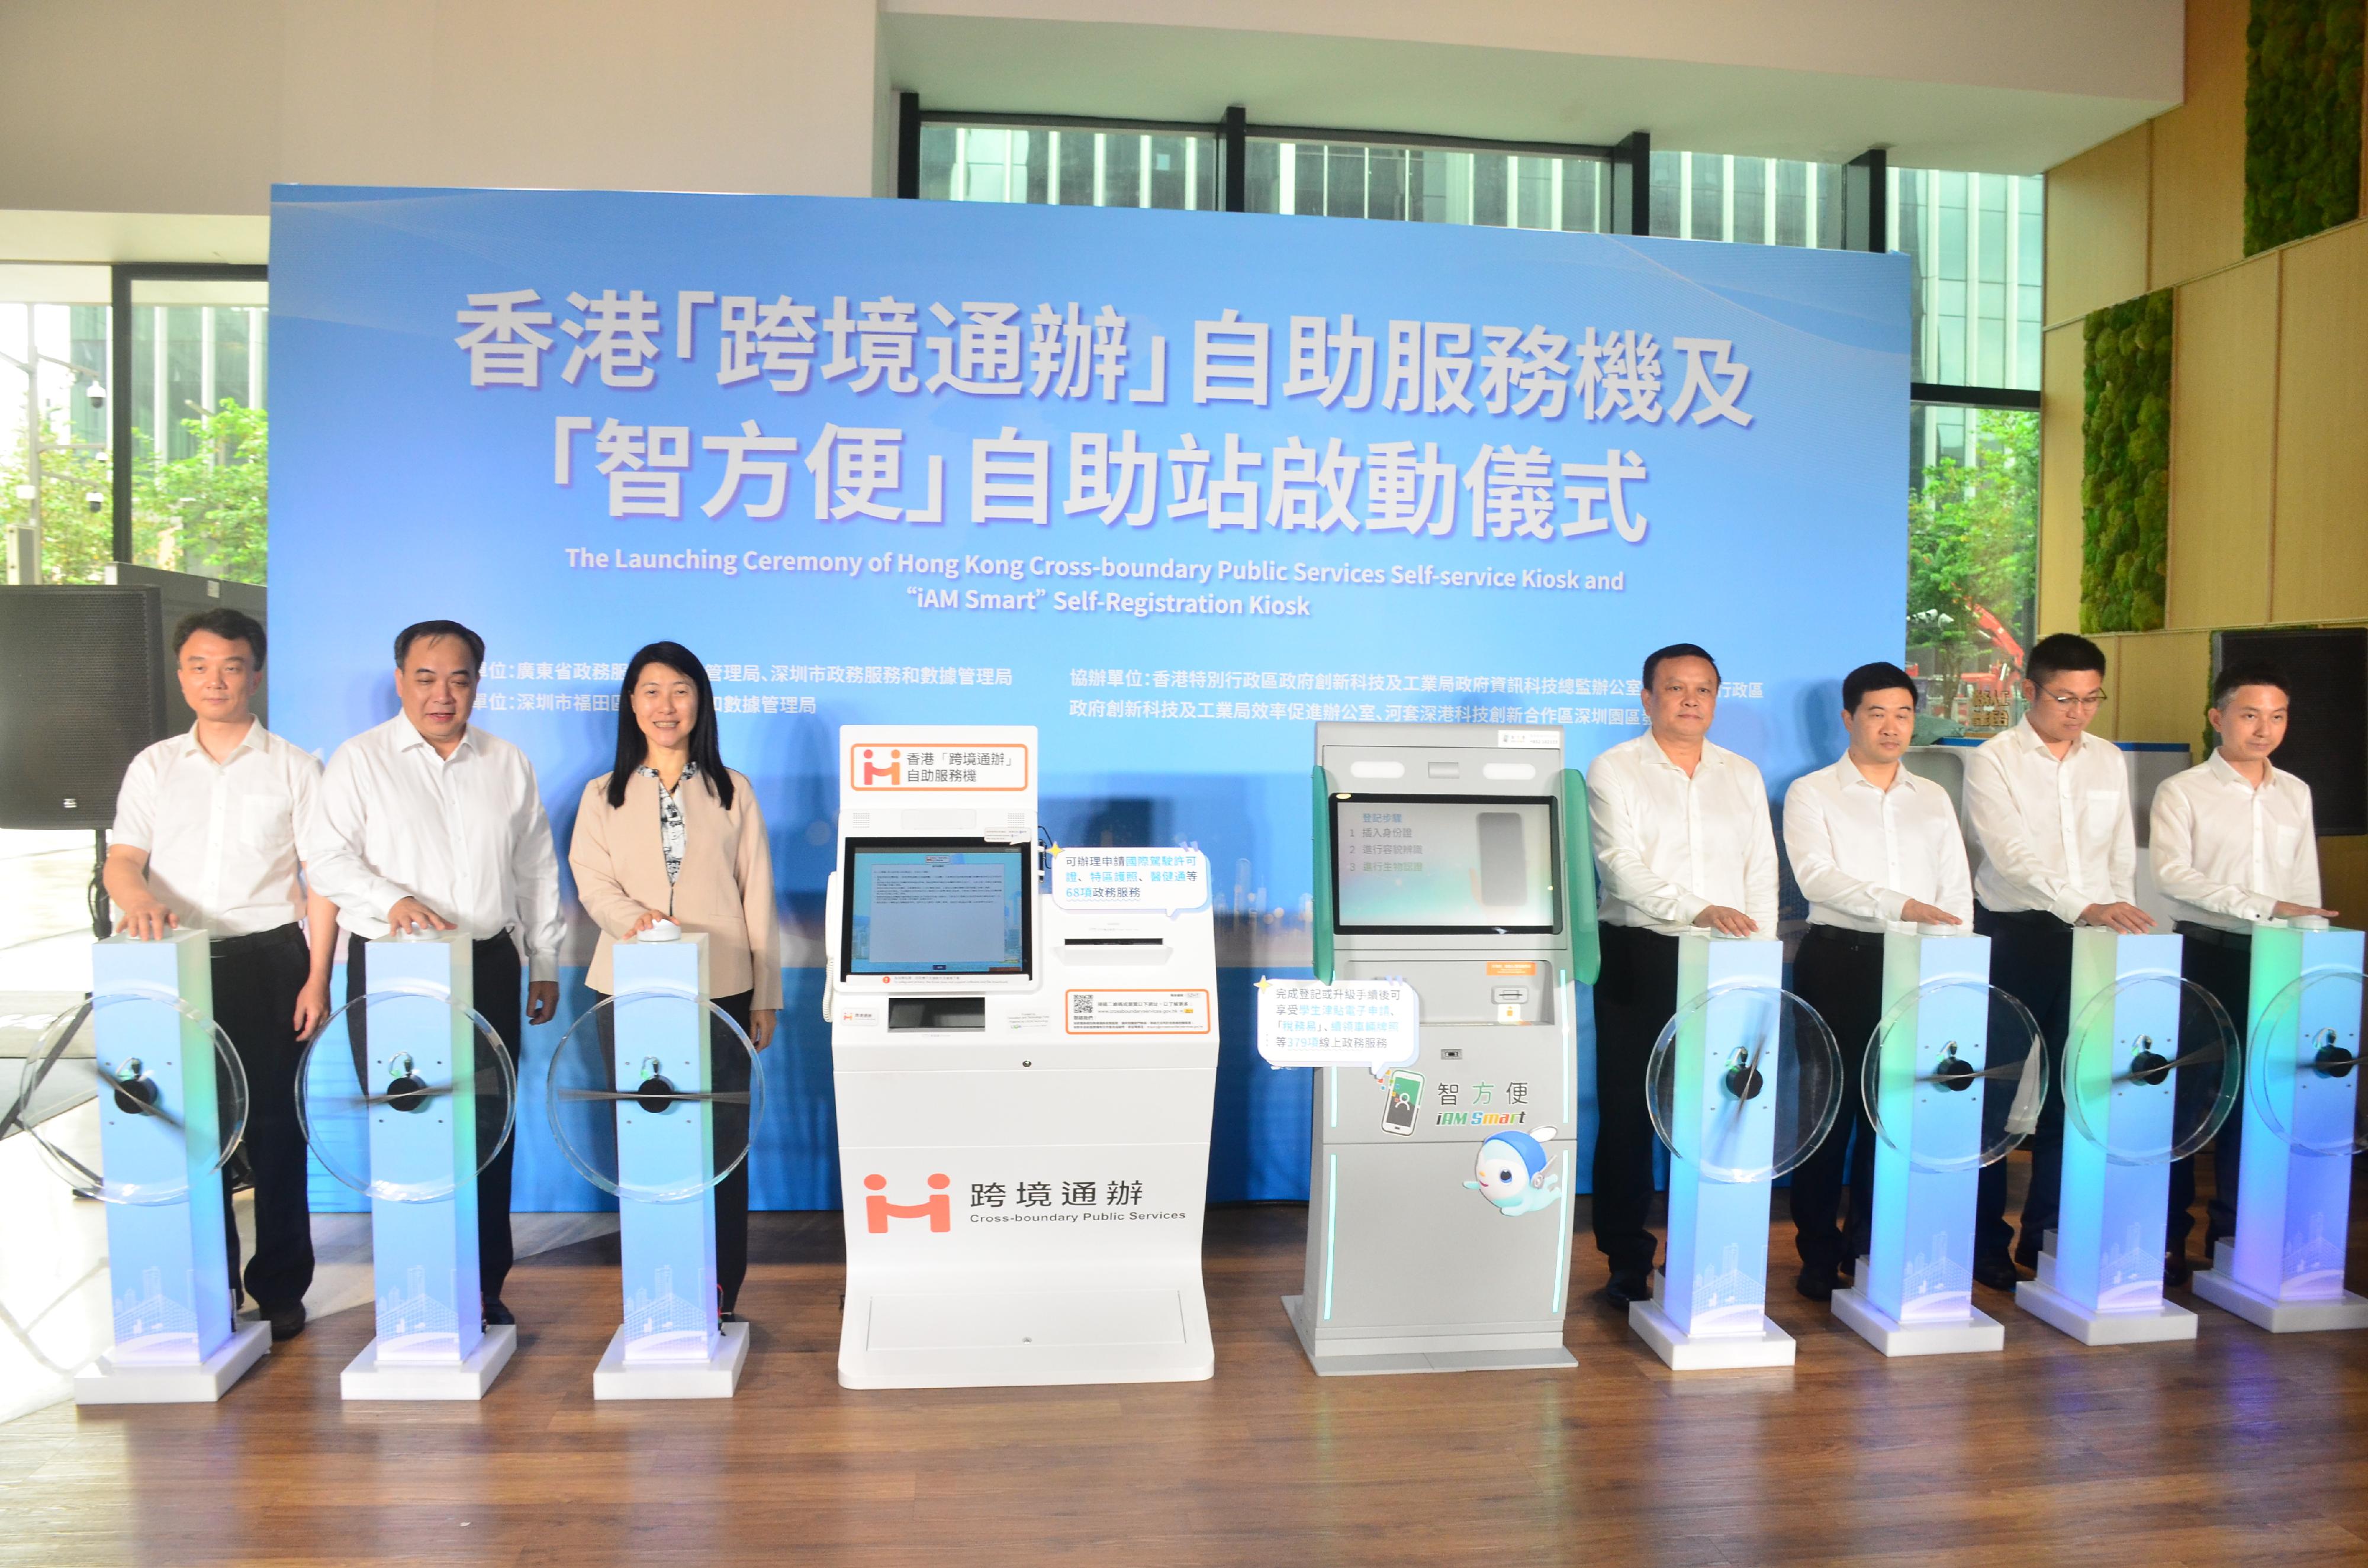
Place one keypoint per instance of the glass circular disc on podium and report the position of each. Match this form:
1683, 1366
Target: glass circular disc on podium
49, 1066
2309, 1035
1768, 1101
339, 1096
2151, 1035
587, 1104
2010, 1084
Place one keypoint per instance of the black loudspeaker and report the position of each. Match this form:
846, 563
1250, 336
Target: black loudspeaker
83, 694
180, 594
2327, 734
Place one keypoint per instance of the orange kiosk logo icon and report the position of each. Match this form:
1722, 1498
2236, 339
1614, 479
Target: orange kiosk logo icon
938, 1208
892, 775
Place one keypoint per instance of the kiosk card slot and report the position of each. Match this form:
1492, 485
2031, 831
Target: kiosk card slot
935, 1013
1131, 952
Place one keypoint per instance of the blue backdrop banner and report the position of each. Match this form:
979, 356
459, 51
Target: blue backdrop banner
1170, 486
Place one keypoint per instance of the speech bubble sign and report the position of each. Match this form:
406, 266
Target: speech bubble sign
1165, 881
1373, 1024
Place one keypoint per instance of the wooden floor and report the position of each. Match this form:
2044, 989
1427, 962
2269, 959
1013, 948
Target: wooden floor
2239, 1447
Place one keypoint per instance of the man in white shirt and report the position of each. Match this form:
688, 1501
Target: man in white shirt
2049, 805
1682, 843
205, 836
1870, 844
427, 823
2233, 843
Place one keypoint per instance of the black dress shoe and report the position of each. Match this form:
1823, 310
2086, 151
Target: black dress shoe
497, 1314
728, 1315
1817, 1281
1996, 1270
2176, 1270
286, 1323
1625, 1289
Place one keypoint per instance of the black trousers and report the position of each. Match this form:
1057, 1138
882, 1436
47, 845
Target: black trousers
497, 982
2030, 959
256, 980
2221, 962
731, 1068
1839, 974
1633, 998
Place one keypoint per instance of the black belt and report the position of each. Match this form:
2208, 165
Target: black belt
2213, 936
1613, 928
1849, 936
226, 947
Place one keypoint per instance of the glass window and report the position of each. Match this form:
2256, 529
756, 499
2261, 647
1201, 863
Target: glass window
55, 486
1972, 539
1978, 246
1076, 168
1586, 195
1668, 172
1706, 199
1489, 191
1751, 189
199, 429
1426, 185
1792, 202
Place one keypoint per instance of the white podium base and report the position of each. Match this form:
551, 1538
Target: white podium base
1770, 1347
715, 1378
104, 1382
2165, 1320
1085, 1334
1976, 1332
2219, 1286
1428, 1353
364, 1378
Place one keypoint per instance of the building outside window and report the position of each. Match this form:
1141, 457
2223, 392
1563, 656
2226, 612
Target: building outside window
200, 438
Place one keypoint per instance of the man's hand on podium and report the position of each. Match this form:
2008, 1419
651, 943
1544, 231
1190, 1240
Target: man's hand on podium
2126, 918
1918, 913
145, 919
2285, 911
409, 915
1726, 922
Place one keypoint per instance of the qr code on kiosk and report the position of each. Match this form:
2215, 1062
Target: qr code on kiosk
1081, 1007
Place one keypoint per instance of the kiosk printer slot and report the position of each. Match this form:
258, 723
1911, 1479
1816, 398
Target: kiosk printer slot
1455, 857
1024, 1086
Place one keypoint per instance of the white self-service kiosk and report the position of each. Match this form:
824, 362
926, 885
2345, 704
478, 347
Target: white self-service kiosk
1024, 1078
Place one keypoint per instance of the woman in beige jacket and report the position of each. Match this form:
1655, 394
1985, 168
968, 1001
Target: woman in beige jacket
671, 834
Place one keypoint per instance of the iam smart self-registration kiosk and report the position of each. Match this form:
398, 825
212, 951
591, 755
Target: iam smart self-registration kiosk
1452, 863
1024, 1046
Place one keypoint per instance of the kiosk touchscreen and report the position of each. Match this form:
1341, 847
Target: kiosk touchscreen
1454, 858
1024, 1074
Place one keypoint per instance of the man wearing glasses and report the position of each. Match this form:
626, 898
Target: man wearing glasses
2050, 807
